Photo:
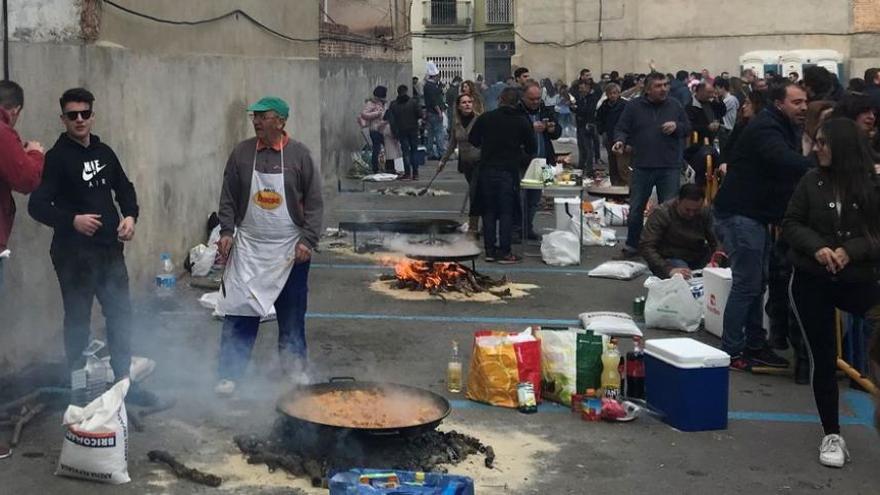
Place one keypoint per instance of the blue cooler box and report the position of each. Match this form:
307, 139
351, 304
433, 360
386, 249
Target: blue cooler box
687, 381
411, 483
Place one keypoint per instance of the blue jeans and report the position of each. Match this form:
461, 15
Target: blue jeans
643, 180
240, 332
497, 189
747, 244
436, 136
409, 144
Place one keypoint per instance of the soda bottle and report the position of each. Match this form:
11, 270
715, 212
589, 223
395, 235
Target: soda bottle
610, 371
453, 370
635, 371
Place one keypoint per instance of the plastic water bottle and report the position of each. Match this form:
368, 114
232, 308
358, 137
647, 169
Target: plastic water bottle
166, 280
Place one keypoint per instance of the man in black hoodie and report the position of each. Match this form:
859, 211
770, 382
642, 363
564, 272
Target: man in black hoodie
80, 179
506, 140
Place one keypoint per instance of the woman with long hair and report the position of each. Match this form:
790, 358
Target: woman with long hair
468, 155
469, 88
834, 233
752, 104
860, 108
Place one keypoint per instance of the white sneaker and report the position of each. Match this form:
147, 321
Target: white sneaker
225, 388
833, 451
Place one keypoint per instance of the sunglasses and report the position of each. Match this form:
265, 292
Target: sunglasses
85, 114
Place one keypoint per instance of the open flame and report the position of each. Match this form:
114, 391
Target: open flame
430, 276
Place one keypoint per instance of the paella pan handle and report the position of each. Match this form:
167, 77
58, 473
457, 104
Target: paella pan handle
341, 379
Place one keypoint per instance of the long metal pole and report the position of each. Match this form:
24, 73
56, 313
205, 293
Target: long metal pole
6, 40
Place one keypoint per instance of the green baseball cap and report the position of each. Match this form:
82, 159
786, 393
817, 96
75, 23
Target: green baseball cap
273, 103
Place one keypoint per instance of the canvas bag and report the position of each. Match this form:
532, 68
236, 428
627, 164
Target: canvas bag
500, 361
571, 362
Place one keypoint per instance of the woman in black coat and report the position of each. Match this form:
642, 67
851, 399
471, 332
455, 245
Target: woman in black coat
833, 228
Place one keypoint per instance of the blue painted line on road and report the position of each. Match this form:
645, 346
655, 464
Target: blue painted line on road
861, 404
513, 269
445, 319
370, 210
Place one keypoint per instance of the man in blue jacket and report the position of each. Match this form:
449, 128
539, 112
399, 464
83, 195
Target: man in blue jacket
655, 126
765, 166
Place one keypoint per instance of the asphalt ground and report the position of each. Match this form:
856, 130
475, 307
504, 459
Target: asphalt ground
769, 447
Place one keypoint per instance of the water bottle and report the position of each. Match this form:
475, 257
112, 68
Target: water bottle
166, 280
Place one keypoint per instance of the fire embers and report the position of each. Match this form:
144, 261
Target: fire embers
437, 278
305, 452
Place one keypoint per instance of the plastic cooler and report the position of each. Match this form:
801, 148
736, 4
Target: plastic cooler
376, 482
687, 381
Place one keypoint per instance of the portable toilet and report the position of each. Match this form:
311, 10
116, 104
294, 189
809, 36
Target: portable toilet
798, 60
761, 62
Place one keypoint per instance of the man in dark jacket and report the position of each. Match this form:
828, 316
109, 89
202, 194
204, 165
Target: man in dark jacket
821, 84
586, 99
655, 126
403, 117
765, 166
872, 82
678, 235
547, 128
678, 88
706, 114
607, 116
76, 198
434, 105
21, 164
506, 140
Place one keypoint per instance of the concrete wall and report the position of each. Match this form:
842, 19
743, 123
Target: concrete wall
345, 84
173, 121
44, 20
673, 33
233, 36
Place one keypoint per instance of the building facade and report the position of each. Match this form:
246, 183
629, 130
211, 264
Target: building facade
556, 38
464, 38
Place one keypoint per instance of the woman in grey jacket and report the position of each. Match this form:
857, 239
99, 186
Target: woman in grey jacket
832, 227
468, 154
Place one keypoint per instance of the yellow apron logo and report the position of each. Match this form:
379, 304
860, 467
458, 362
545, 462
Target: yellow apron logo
268, 200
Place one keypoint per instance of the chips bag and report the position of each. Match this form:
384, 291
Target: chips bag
499, 362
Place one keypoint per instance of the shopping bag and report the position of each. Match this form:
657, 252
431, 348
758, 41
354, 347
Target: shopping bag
560, 248
571, 362
671, 305
501, 361
398, 165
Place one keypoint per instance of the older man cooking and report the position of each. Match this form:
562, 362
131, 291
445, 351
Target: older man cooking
270, 220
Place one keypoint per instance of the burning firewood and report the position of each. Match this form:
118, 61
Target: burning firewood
437, 278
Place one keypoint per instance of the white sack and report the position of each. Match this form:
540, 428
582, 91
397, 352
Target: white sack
619, 270
560, 248
96, 442
610, 323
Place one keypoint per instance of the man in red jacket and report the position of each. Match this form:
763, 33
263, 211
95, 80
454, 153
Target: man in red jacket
21, 164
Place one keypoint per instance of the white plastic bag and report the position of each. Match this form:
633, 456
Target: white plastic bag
594, 235
610, 323
616, 214
671, 305
619, 270
398, 165
560, 248
96, 443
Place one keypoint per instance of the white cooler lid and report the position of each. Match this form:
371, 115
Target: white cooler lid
686, 353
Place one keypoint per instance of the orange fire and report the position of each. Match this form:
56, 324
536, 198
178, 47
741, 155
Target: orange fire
429, 275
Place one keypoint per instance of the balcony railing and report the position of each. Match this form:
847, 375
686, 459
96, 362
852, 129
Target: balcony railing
447, 14
499, 12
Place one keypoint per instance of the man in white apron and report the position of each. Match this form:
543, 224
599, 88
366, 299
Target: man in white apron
270, 221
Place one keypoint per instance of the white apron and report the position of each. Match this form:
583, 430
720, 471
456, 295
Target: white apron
263, 252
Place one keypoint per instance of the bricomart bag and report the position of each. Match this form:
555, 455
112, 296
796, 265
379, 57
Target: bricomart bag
96, 442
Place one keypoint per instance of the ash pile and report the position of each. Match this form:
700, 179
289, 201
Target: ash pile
304, 451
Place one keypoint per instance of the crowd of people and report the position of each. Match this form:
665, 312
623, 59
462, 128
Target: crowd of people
797, 213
